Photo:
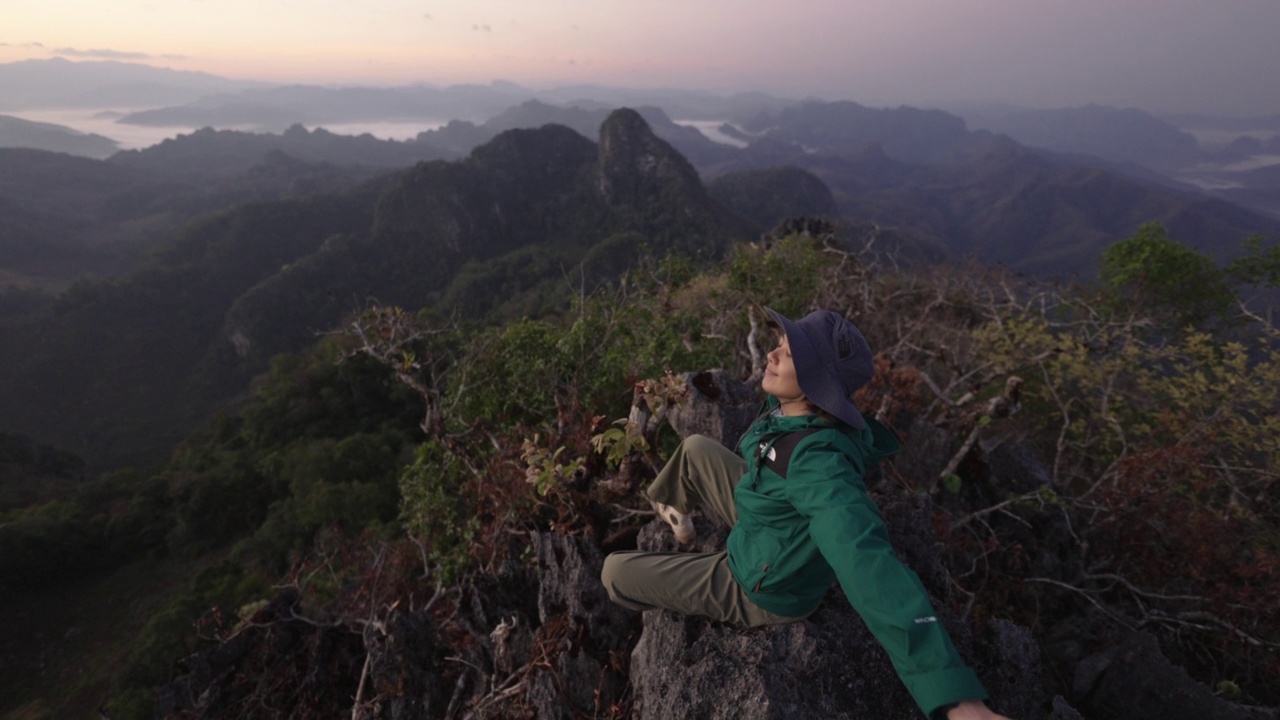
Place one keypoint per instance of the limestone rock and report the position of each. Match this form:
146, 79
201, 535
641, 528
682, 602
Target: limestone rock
585, 630
1135, 681
827, 666
717, 406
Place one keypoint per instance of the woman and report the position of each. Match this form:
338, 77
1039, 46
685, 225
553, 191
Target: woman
801, 518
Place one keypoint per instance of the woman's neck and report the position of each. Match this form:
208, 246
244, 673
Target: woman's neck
795, 407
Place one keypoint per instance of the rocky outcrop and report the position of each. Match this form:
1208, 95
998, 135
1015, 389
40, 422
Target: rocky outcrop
540, 639
589, 631
276, 649
636, 165
404, 667
827, 666
1135, 681
715, 405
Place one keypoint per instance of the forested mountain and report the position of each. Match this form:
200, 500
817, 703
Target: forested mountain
460, 136
940, 189
215, 154
526, 216
526, 219
954, 193
62, 217
920, 176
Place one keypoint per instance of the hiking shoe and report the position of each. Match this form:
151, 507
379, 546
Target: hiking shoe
681, 524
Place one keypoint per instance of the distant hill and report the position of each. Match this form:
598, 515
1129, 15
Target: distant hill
769, 196
63, 216
1265, 123
904, 133
63, 83
1261, 189
221, 153
274, 109
19, 133
947, 192
1118, 135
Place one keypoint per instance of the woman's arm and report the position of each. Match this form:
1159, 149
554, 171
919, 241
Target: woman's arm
826, 489
973, 710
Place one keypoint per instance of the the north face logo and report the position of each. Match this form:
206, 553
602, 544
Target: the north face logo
844, 346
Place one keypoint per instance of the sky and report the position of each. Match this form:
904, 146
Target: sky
1206, 56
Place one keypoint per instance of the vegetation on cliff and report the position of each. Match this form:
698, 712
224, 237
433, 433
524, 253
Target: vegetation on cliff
406, 460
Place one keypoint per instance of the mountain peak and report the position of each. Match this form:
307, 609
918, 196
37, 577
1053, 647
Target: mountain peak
634, 162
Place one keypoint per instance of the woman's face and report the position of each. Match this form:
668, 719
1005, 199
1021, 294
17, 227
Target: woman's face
780, 374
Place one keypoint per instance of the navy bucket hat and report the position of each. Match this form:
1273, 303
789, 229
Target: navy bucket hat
832, 361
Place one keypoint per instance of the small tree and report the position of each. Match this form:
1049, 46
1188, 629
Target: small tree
1167, 280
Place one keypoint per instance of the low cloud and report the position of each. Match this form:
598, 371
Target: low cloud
104, 54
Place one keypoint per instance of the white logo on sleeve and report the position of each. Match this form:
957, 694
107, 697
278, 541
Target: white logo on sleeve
927, 619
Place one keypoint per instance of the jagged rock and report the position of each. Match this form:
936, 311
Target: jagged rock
197, 689
583, 630
404, 667
717, 406
636, 165
250, 669
1135, 681
828, 666
1063, 711
692, 667
1016, 467
1010, 662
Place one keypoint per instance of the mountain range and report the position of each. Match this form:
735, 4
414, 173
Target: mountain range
214, 251
205, 311
63, 83
1190, 154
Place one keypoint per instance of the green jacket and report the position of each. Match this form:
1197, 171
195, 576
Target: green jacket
796, 535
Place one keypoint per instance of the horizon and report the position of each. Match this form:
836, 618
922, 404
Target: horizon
1162, 56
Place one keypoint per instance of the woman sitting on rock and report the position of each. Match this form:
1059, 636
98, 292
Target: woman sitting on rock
801, 518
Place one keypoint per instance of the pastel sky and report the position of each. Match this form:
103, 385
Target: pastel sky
1161, 55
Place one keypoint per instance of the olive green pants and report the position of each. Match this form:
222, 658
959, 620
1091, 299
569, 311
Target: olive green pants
701, 470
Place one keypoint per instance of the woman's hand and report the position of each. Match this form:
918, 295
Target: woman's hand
973, 710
